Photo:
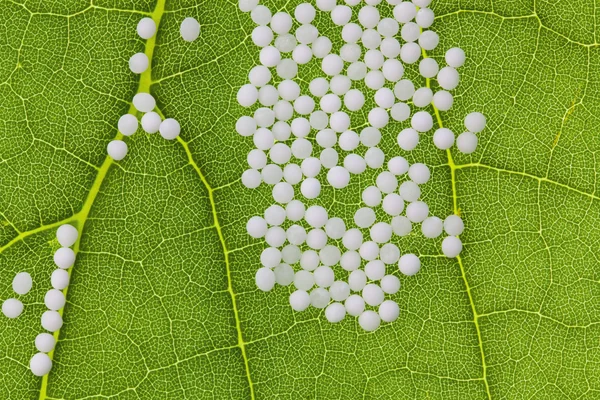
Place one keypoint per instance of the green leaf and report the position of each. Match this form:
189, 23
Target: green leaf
162, 302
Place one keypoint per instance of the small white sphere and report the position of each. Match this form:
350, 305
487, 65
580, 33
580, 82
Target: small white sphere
286, 43
288, 90
455, 57
261, 15
370, 136
270, 257
151, 123
295, 210
146, 28
310, 188
405, 12
349, 141
247, 5
378, 117
22, 282
339, 121
357, 280
265, 279
351, 33
304, 105
45, 342
389, 311
466, 142
410, 191
246, 95
372, 294
290, 254
189, 29
429, 40
330, 103
417, 211
408, 139
388, 27
309, 261
64, 258
421, 121
340, 84
448, 78
381, 232
339, 290
262, 35
144, 102
306, 34
301, 148
386, 182
375, 270
390, 284
409, 264
410, 32
263, 139
326, 5
54, 299
319, 298
302, 54
341, 15
299, 300
393, 204
350, 261
422, 97
275, 215
398, 165
443, 100
324, 276
352, 239
364, 217
281, 23
404, 89
318, 87
268, 95
374, 157
316, 216
59, 279
296, 235
138, 63
390, 48
12, 308
354, 100
284, 274
287, 68
275, 236
127, 124
371, 196
454, 225
443, 138
321, 47
269, 56
319, 120
475, 122
374, 80
326, 138
283, 192
389, 252
256, 159
251, 178
419, 173
338, 177
400, 112
401, 226
368, 17
410, 53
316, 239
332, 64
354, 305
330, 255
374, 59
256, 227
369, 250
335, 228
311, 167
384, 98
264, 117
300, 127
245, 125
304, 13
451, 246
40, 364
335, 312
432, 227
51, 321
425, 17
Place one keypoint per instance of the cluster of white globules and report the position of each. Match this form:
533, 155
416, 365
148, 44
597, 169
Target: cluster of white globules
318, 243
144, 102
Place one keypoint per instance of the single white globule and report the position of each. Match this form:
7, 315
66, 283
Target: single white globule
386, 182
45, 342
283, 192
299, 300
404, 89
189, 29
256, 159
341, 15
324, 276
296, 235
389, 252
339, 290
332, 64
369, 320
352, 239
451, 246
66, 235
428, 68
392, 70
310, 188
466, 142
350, 260
408, 139
454, 225
151, 123
275, 236
368, 17
251, 178
318, 87
448, 78
64, 258
316, 216
117, 149
443, 100
374, 59
280, 153
354, 99
398, 165
369, 250
400, 112
300, 127
330, 103
340, 84
290, 254
326, 138
419, 173
410, 53
309, 261
12, 308
51, 320
338, 177
404, 12
281, 23
410, 191
410, 32
375, 270
385, 98
262, 35
429, 40
339, 121
169, 129
335, 228
144, 102
401, 225
330, 255
270, 257
443, 138
307, 34
378, 117
319, 297
335, 312
354, 305
316, 239
59, 279
268, 95
54, 299
302, 54
455, 57
287, 68
421, 121
409, 264
351, 33
127, 124
275, 215
146, 28
475, 122
372, 294
390, 47
270, 174
357, 280
381, 232
295, 210
389, 311
393, 204
355, 164
22, 283
374, 80
40, 364
432, 227
310, 167
417, 211
388, 27
265, 279
247, 5
422, 97
425, 17
364, 217
138, 63
264, 117
261, 15
269, 56
390, 284
371, 196
374, 157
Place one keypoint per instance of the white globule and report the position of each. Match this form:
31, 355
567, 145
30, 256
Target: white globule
448, 78
127, 124
368, 251
299, 300
428, 68
265, 279
400, 112
429, 40
375, 270
262, 35
144, 102
138, 63
410, 191
401, 226
466, 142
261, 15
443, 138
64, 258
59, 279
410, 53
357, 280
22, 283
419, 173
151, 123
372, 294
189, 29
341, 15
281, 23
369, 320
404, 89
271, 174
340, 84
475, 122
404, 12
432, 227
393, 204
319, 297
389, 311
284, 274
51, 320
335, 228
455, 57
425, 17
422, 97
335, 312
409, 264
451, 246
410, 32
417, 211
146, 28
54, 299
443, 100
408, 139
454, 225
390, 284
12, 308
45, 342
338, 177
40, 364
422, 121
